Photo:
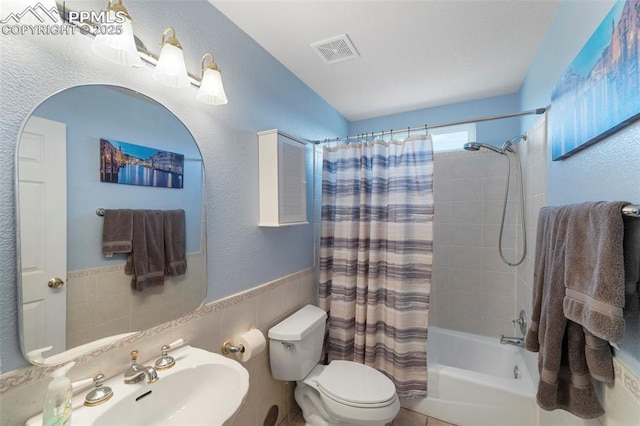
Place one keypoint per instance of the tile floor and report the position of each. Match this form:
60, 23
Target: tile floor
405, 418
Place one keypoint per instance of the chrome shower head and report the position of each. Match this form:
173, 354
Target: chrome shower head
475, 146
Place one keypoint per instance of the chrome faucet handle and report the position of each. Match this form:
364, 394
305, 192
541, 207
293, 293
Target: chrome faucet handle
521, 322
166, 361
100, 394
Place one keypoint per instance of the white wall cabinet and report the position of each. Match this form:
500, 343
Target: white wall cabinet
283, 180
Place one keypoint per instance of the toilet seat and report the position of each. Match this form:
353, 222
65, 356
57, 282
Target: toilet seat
356, 385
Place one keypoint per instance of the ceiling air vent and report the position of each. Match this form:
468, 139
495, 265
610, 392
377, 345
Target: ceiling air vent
336, 49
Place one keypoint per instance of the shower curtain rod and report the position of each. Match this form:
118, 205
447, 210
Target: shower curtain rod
434, 126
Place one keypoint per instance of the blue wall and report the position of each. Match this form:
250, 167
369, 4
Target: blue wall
492, 132
608, 170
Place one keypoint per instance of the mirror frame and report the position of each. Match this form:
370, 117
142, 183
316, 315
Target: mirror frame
78, 351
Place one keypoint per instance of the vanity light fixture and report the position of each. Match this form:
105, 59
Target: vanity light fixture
170, 69
211, 90
127, 49
118, 48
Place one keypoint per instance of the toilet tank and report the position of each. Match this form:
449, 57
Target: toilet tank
295, 344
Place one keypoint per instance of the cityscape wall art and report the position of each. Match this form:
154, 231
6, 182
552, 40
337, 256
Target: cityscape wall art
599, 93
130, 164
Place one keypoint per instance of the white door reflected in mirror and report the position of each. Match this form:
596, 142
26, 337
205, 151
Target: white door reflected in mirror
43, 233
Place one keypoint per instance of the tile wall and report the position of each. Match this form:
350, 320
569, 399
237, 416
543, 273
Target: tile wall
472, 289
101, 302
533, 156
22, 390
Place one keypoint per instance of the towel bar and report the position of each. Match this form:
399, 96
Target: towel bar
632, 210
100, 211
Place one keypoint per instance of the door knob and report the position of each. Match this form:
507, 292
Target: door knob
55, 283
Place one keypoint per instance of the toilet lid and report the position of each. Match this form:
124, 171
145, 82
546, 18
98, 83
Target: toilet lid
355, 383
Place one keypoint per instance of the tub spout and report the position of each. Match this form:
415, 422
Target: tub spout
514, 341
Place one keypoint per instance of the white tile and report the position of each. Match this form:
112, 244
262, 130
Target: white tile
468, 235
144, 299
292, 293
116, 326
466, 189
466, 165
441, 233
494, 166
466, 257
499, 282
463, 301
442, 255
239, 317
441, 189
269, 306
442, 212
81, 316
111, 308
491, 235
143, 319
465, 279
493, 188
310, 288
491, 260
112, 283
466, 212
80, 290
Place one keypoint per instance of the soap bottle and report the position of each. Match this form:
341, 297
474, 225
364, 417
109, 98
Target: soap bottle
58, 399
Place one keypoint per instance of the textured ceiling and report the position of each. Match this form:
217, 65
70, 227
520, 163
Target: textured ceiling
413, 54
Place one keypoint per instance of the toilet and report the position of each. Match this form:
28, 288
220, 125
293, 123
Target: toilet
339, 394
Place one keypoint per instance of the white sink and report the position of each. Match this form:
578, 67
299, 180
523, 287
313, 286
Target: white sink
203, 388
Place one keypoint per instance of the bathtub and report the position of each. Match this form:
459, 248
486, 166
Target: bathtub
471, 381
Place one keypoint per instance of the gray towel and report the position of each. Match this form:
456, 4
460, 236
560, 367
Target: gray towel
631, 266
117, 232
594, 257
175, 245
146, 262
565, 380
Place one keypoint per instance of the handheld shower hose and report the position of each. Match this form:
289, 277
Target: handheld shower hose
507, 148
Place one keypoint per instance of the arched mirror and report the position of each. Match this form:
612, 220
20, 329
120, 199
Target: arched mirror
81, 280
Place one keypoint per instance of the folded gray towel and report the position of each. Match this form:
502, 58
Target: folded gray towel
595, 283
146, 262
117, 232
175, 244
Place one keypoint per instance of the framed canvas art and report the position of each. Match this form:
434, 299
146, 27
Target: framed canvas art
599, 93
130, 164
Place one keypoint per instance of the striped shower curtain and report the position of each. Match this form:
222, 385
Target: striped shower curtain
376, 253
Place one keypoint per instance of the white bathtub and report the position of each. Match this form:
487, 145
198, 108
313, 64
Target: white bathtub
471, 381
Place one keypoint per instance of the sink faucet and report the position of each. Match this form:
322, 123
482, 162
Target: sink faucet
514, 341
137, 373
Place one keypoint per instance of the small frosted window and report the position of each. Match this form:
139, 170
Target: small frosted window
452, 138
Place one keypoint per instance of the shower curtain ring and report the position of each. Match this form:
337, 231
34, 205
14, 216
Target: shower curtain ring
408, 132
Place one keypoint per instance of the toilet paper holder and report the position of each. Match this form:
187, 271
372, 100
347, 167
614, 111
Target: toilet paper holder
229, 348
